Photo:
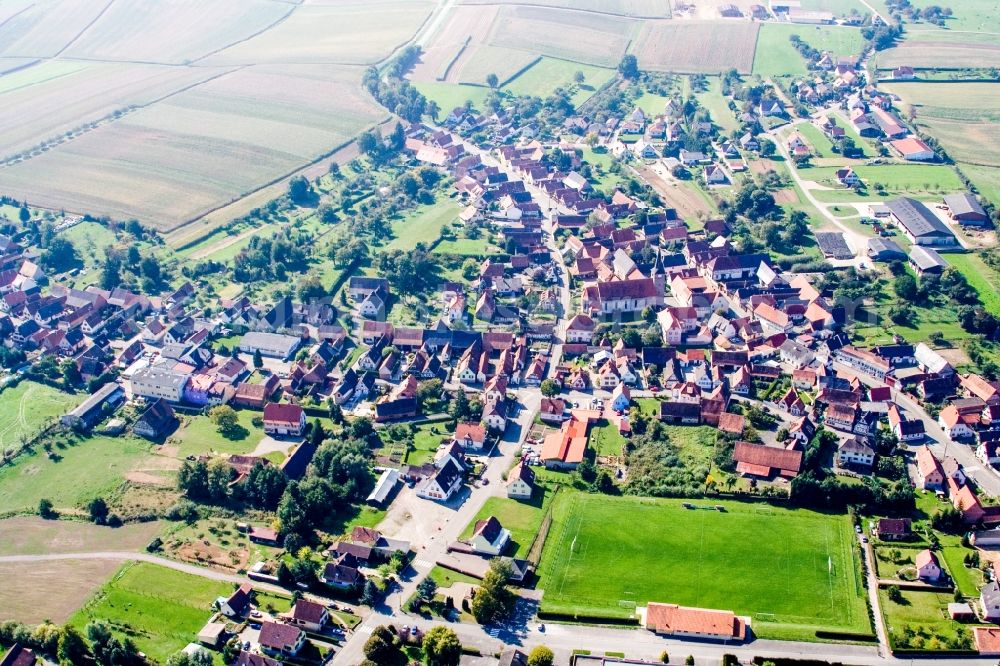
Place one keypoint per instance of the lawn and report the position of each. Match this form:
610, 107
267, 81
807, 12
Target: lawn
27, 407
793, 571
197, 435
921, 181
550, 73
986, 179
605, 439
423, 224
718, 105
446, 577
79, 470
158, 608
920, 611
776, 56
425, 443
465, 247
983, 279
520, 517
821, 145
451, 95
652, 105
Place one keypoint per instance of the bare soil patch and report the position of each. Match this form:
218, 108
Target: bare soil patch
33, 536
761, 166
37, 591
786, 196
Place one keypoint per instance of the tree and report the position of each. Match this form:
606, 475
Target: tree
108, 650
894, 594
71, 374
629, 67
383, 647
494, 600
197, 658
299, 190
45, 509
369, 593
60, 255
427, 588
98, 510
460, 408
541, 656
24, 214
665, 657
550, 388
442, 647
258, 360
72, 647
492, 81
225, 418
905, 287
579, 77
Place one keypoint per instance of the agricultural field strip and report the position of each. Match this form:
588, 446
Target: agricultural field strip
274, 138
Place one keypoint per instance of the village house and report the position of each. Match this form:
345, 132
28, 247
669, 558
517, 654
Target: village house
489, 537
281, 640
930, 476
284, 419
520, 482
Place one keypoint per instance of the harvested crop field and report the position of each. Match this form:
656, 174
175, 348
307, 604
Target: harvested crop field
41, 29
457, 43
637, 8
354, 33
696, 47
585, 37
154, 31
98, 90
37, 591
970, 132
31, 535
933, 54
198, 150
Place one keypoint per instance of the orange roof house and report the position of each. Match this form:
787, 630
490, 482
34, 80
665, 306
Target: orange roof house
674, 620
765, 461
564, 449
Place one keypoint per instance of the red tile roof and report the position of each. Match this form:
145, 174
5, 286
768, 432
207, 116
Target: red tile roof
674, 619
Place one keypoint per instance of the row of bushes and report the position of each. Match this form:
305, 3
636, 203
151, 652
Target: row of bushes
588, 619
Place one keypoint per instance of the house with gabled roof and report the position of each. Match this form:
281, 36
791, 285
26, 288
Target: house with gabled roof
489, 537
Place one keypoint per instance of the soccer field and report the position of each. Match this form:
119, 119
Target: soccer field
791, 571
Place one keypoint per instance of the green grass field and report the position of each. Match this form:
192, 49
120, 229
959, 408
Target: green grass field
75, 474
522, 518
423, 224
550, 73
794, 571
919, 610
920, 181
605, 439
775, 55
450, 95
717, 105
983, 279
27, 407
198, 435
986, 179
821, 145
469, 247
158, 608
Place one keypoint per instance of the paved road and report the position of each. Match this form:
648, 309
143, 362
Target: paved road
857, 242
124, 555
641, 644
436, 545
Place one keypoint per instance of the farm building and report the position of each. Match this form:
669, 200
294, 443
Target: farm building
269, 344
925, 260
918, 223
913, 149
91, 410
966, 209
884, 249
